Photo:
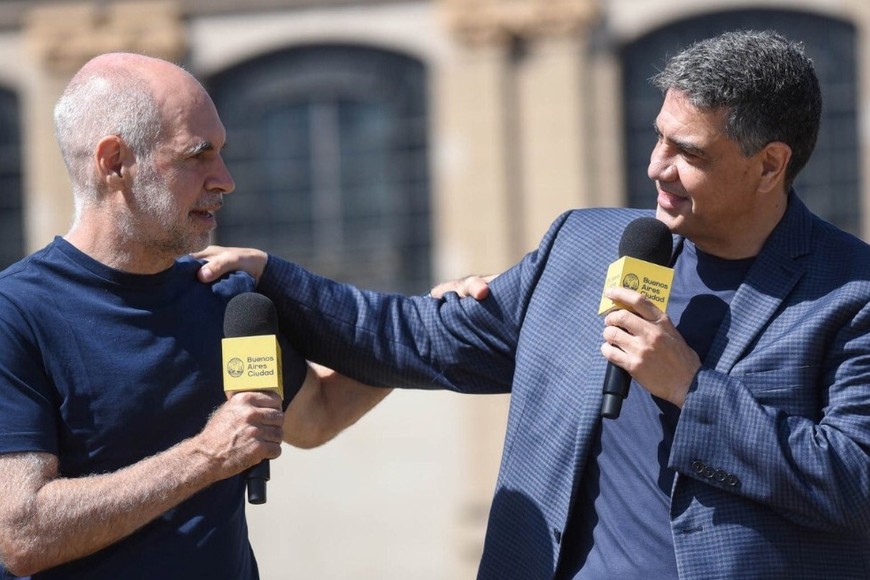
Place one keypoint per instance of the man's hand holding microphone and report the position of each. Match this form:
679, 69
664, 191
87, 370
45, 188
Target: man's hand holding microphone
243, 432
645, 343
640, 341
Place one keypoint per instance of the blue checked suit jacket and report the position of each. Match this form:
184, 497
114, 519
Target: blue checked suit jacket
771, 449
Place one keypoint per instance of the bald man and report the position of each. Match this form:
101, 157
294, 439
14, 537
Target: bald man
120, 456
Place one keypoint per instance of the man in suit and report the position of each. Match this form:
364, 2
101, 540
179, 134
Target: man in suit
742, 448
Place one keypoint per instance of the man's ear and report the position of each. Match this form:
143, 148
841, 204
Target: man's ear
110, 156
774, 161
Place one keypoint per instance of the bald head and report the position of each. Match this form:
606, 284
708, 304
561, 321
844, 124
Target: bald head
162, 78
119, 94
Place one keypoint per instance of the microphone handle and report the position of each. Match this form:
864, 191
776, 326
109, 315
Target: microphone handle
256, 478
615, 390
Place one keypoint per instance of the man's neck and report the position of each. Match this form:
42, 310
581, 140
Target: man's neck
749, 237
111, 248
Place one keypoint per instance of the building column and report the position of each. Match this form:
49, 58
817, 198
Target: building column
511, 143
553, 93
60, 39
515, 137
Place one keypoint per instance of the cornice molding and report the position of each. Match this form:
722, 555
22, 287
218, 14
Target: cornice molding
64, 37
484, 22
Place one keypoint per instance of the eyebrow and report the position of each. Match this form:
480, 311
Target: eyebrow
680, 144
201, 147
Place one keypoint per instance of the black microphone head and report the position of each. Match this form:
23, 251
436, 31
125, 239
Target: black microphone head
250, 314
647, 239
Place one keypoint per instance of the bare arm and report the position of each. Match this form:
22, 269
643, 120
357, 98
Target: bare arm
327, 403
46, 520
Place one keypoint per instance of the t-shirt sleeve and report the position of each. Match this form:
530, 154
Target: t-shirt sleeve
27, 406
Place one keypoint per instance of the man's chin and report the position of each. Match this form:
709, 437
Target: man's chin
663, 215
670, 219
198, 245
195, 244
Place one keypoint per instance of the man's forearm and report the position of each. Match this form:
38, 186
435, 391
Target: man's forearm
46, 520
327, 404
67, 519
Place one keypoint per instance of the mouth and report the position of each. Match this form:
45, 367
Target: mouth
668, 201
204, 217
206, 211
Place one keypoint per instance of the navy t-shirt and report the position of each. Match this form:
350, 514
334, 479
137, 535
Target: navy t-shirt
104, 368
620, 523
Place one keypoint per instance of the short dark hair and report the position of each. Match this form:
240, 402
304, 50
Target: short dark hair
766, 82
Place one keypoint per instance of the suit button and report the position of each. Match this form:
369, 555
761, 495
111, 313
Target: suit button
698, 466
708, 472
731, 480
720, 475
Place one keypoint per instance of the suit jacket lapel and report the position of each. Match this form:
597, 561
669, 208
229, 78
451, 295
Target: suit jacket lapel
770, 280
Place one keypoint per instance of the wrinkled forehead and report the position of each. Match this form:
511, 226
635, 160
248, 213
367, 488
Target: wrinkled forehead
188, 112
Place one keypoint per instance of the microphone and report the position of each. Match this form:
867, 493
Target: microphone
252, 362
645, 251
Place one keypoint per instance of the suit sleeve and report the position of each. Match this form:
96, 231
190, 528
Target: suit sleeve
408, 341
792, 435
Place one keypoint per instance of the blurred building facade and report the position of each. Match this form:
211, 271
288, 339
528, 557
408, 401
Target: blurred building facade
395, 143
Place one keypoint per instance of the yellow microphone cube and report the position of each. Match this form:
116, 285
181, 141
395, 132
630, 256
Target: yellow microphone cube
252, 363
651, 280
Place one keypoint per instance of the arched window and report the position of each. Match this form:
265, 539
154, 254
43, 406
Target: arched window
11, 219
328, 148
829, 184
